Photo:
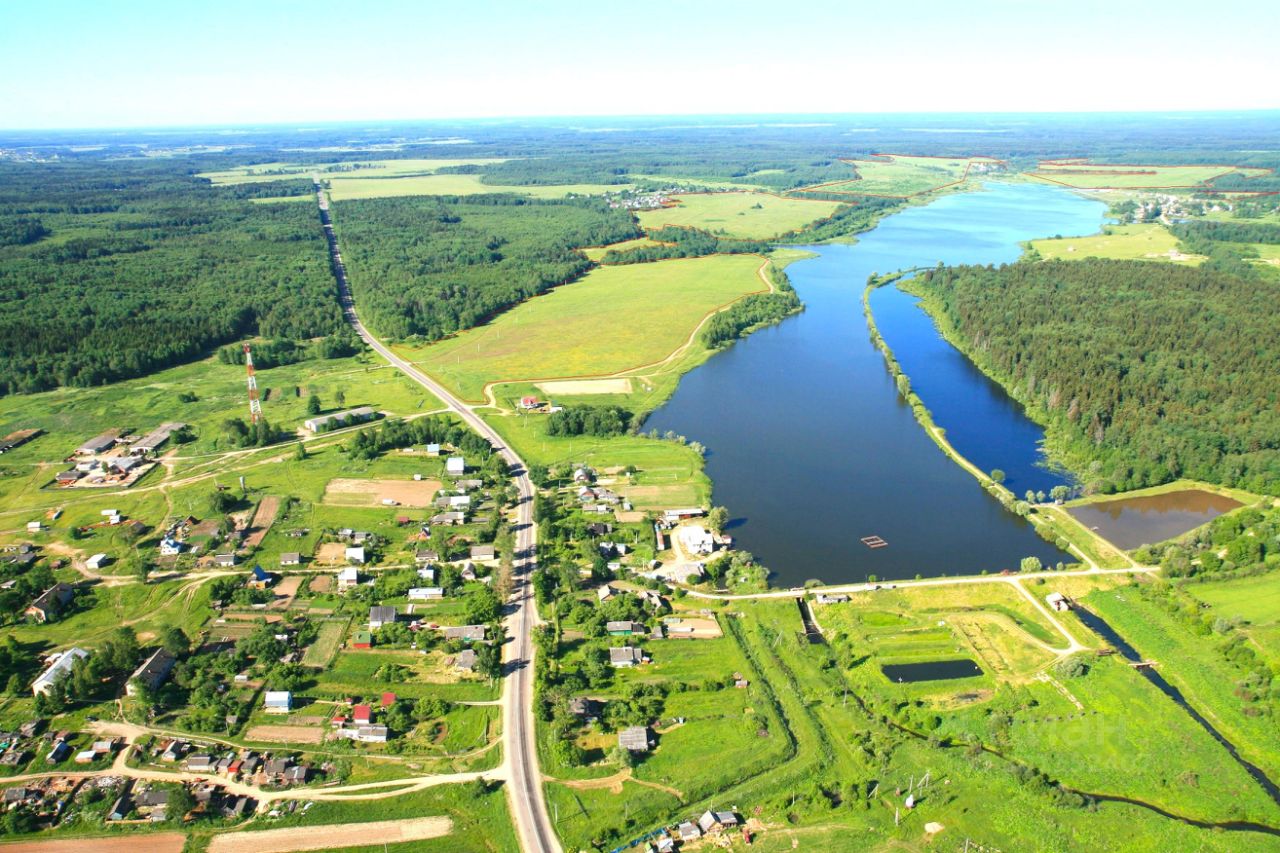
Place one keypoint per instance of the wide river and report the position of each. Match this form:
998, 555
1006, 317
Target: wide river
810, 446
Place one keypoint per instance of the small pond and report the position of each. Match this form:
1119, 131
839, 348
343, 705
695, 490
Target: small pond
1131, 522
932, 670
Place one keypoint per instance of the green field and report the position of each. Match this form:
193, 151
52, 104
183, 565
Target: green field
614, 319
1145, 241
754, 216
902, 176
1085, 175
595, 253
1255, 601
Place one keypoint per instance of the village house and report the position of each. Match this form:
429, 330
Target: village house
424, 556
151, 673
51, 602
380, 615
348, 578
355, 554
259, 578
634, 738
465, 660
290, 558
97, 561
625, 656
455, 466
170, 547
625, 629
362, 715
99, 443
224, 561
58, 669
362, 640
584, 708
689, 831
277, 702
483, 553
605, 593
717, 821
449, 519
426, 593
466, 633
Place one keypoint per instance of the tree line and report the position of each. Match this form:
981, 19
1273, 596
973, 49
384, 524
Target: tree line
1141, 378
675, 242
589, 420
1209, 230
752, 312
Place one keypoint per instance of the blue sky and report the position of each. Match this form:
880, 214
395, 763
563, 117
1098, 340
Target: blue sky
76, 63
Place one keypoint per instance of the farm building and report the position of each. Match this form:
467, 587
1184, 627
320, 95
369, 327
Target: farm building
1058, 601
717, 821
634, 738
362, 715
290, 558
605, 593
483, 553
362, 640
426, 593
224, 560
98, 443
59, 669
324, 423
455, 466
625, 629
355, 554
17, 439
449, 519
151, 673
154, 440
97, 561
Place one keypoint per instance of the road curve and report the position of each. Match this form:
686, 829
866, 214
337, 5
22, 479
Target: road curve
520, 749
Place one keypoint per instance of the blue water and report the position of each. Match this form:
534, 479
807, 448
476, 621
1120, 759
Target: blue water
810, 446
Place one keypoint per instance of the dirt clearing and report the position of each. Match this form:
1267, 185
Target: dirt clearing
331, 554
328, 837
570, 387
410, 493
285, 734
262, 521
286, 591
166, 842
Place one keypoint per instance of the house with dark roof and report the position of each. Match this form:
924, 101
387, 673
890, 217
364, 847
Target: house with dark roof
152, 672
51, 602
634, 738
380, 615
625, 656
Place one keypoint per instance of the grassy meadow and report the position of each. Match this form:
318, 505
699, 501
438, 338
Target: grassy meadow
753, 216
1143, 241
614, 319
902, 176
1128, 176
1254, 601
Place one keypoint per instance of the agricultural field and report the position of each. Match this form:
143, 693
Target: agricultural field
1085, 175
1144, 241
595, 253
900, 176
750, 216
615, 319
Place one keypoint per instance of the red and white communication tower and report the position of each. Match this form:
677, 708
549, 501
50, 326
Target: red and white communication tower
255, 407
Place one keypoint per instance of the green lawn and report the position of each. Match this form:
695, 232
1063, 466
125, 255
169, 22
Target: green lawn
755, 216
614, 319
1146, 241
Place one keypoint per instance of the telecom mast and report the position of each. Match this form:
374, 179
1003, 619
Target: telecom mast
255, 407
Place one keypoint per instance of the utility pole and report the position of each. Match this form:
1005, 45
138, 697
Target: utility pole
255, 407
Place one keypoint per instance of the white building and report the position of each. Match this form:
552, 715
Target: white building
455, 465
59, 669
277, 702
426, 593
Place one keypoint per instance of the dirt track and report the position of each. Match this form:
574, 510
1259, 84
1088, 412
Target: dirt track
333, 835
167, 842
262, 521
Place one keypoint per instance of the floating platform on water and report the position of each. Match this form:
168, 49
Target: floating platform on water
874, 542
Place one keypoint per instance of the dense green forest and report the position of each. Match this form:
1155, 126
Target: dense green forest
1199, 230
753, 311
431, 266
112, 270
1142, 375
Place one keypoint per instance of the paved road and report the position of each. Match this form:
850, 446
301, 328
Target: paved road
519, 743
